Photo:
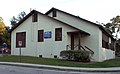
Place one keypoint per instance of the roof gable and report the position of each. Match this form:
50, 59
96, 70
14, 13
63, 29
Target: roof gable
77, 17
34, 11
22, 20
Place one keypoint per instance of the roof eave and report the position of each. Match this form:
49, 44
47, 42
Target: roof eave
22, 20
27, 16
101, 28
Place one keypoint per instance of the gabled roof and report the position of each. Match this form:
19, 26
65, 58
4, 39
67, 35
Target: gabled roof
34, 11
77, 17
52, 9
22, 20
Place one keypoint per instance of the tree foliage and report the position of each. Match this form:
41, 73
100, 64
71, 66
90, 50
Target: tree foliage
4, 35
114, 25
15, 20
2, 26
5, 38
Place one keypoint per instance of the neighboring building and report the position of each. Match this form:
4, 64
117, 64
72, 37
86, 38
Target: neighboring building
48, 34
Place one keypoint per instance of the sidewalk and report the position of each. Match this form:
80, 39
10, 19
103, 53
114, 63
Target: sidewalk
113, 69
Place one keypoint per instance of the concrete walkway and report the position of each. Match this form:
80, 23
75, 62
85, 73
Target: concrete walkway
113, 69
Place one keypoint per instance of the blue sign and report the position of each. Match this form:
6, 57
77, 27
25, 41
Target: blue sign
47, 35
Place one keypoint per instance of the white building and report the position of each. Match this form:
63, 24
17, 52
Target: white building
48, 34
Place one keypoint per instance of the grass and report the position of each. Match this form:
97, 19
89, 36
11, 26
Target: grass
59, 62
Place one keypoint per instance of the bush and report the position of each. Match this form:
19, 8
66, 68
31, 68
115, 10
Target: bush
76, 55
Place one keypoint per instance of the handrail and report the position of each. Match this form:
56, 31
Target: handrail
83, 48
69, 46
75, 46
89, 49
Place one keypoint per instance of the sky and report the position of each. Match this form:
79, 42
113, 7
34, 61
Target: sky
92, 10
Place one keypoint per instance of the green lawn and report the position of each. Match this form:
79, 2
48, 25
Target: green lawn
58, 62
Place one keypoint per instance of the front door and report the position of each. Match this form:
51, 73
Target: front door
72, 41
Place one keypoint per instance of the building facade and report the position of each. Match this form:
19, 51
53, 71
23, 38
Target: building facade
48, 34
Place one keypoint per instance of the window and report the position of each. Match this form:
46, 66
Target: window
58, 34
112, 44
105, 41
35, 17
54, 13
40, 35
21, 39
105, 44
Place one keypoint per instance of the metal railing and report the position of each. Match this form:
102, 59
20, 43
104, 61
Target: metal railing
90, 50
81, 47
69, 46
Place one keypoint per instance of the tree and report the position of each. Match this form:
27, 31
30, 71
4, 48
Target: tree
2, 26
4, 35
6, 38
15, 20
114, 26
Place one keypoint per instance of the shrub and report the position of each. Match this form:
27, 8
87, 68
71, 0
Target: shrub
75, 55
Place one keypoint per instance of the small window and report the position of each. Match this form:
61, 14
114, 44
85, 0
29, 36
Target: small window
21, 38
34, 17
58, 34
54, 13
40, 35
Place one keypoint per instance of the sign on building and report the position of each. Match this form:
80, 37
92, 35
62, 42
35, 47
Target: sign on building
47, 35
20, 43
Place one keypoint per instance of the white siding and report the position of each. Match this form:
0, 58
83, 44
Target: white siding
30, 45
91, 41
94, 41
49, 47
106, 54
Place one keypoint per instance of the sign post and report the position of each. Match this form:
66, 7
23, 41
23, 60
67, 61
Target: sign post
20, 44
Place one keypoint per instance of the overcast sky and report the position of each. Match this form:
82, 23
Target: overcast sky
92, 10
